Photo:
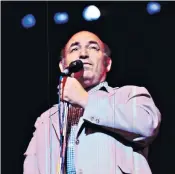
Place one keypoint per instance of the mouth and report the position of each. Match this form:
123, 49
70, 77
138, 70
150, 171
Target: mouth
87, 66
86, 63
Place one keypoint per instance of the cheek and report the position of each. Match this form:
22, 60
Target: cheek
100, 66
70, 59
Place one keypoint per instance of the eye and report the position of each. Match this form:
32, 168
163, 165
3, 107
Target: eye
74, 49
94, 48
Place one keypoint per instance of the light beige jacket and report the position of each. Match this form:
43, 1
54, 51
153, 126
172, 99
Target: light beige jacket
112, 137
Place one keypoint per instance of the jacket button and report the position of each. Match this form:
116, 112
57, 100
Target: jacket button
97, 121
92, 118
77, 142
80, 171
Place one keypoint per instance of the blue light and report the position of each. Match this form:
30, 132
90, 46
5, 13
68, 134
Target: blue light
153, 8
91, 13
28, 21
61, 18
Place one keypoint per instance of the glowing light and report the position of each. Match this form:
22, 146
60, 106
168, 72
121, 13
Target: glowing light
61, 18
153, 8
91, 13
28, 21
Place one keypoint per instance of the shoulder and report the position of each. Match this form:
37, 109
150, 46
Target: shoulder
45, 116
130, 90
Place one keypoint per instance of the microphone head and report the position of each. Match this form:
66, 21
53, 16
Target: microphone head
74, 66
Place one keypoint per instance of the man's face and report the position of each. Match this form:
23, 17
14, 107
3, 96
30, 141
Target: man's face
89, 49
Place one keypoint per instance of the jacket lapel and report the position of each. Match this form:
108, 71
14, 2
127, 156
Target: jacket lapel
55, 121
80, 123
111, 91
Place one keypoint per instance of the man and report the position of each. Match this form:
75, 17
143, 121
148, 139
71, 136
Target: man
113, 133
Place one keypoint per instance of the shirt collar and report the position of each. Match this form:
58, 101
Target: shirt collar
100, 85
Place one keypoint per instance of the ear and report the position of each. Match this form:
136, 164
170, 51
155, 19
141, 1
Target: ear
108, 64
61, 66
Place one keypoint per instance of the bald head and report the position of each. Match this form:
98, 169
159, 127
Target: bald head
82, 35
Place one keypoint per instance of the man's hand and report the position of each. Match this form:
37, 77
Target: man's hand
72, 92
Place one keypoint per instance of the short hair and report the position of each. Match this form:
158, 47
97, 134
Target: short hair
107, 52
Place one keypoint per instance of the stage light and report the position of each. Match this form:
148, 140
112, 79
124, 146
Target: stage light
61, 18
153, 8
91, 13
28, 21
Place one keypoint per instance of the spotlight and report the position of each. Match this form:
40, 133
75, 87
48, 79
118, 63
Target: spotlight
91, 13
153, 8
61, 18
28, 21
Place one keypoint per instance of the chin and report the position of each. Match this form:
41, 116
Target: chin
87, 84
88, 75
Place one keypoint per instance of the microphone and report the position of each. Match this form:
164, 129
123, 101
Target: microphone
74, 66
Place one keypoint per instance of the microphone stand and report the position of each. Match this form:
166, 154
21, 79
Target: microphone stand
62, 117
74, 66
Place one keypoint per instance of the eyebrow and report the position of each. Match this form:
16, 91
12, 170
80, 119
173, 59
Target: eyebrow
93, 42
74, 44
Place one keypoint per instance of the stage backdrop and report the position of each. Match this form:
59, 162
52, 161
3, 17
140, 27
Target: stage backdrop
143, 54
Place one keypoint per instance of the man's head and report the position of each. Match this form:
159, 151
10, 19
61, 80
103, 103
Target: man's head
94, 54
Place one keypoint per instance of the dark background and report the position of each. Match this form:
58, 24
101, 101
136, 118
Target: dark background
143, 53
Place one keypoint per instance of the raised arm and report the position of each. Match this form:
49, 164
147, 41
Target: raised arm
129, 111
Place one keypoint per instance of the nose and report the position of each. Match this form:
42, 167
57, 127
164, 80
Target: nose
83, 54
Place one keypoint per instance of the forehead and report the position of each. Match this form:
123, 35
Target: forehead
84, 38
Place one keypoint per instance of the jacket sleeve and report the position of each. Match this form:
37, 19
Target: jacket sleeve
30, 162
129, 112
37, 147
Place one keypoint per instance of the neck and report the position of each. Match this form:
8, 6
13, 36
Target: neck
92, 86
